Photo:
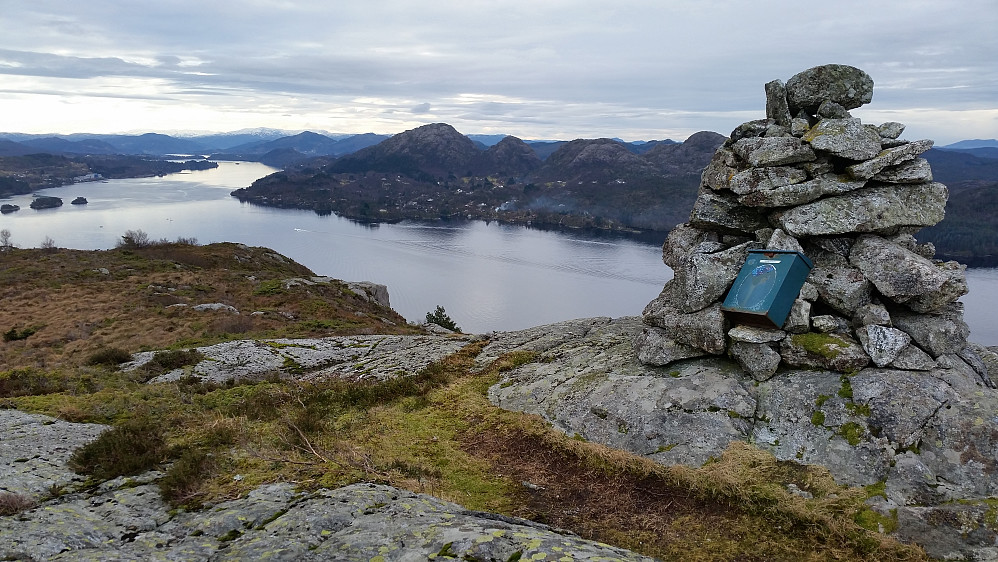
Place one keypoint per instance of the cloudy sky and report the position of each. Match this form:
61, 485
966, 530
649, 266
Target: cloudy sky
538, 69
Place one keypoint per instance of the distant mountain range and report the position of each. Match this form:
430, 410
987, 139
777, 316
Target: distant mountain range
272, 146
434, 172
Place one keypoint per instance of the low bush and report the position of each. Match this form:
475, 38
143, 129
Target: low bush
14, 334
134, 239
136, 445
109, 356
31, 382
164, 361
181, 486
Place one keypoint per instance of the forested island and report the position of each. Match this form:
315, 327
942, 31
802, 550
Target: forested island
434, 172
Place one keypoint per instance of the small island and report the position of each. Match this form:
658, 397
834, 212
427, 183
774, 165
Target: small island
45, 202
79, 201
8, 208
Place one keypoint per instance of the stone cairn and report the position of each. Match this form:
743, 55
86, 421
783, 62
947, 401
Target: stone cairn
811, 178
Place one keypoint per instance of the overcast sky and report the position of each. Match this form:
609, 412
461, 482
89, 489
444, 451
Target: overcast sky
537, 69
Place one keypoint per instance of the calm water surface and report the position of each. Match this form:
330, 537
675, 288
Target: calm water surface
487, 276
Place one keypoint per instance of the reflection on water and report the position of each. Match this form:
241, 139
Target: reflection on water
487, 276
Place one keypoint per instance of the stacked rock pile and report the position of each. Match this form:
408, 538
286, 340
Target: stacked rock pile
849, 196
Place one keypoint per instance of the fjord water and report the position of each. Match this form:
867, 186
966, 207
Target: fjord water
487, 276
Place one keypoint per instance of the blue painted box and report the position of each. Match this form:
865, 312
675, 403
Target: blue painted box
766, 287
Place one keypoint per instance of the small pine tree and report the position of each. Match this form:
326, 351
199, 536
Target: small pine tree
440, 318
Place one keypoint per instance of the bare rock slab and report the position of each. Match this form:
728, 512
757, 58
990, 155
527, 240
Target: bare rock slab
378, 357
34, 450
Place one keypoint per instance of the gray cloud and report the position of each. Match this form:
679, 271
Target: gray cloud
568, 67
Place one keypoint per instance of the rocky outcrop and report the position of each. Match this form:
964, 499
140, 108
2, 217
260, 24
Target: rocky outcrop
927, 438
127, 519
354, 357
372, 292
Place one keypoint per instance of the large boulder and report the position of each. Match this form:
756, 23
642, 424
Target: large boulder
902, 275
845, 85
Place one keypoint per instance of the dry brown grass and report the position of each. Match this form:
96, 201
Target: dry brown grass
76, 309
12, 504
736, 508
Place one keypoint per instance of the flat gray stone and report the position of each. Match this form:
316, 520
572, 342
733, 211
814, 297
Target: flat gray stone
872, 209
683, 413
654, 347
912, 358
890, 129
831, 110
765, 179
839, 285
830, 324
776, 151
902, 275
34, 450
791, 195
845, 138
722, 166
719, 211
780, 240
704, 329
888, 157
758, 359
702, 278
871, 314
755, 334
954, 287
913, 171
799, 319
941, 332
